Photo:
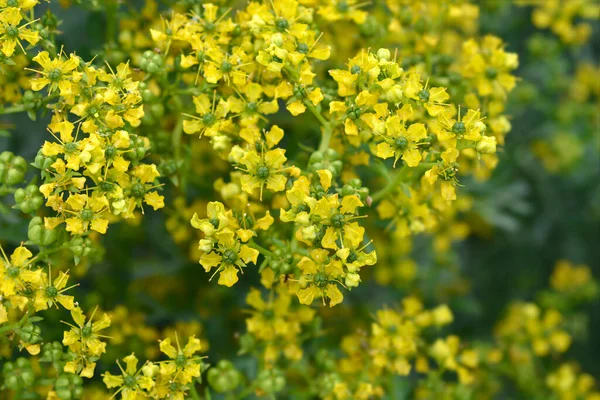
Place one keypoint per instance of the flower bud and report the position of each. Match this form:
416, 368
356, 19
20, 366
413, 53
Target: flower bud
487, 145
277, 39
235, 154
205, 245
480, 126
384, 54
394, 94
352, 280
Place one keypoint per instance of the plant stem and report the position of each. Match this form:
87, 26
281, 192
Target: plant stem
13, 109
327, 128
111, 20
397, 178
177, 132
391, 185
193, 392
261, 249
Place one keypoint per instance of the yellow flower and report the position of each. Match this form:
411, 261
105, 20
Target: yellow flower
431, 98
447, 169
211, 115
183, 366
469, 127
53, 292
87, 213
83, 339
321, 274
263, 169
228, 256
55, 72
402, 143
16, 272
11, 32
131, 382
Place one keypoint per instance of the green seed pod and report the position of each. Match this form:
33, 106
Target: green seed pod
316, 157
18, 374
39, 235
29, 199
271, 380
69, 386
247, 343
52, 352
224, 377
30, 333
12, 168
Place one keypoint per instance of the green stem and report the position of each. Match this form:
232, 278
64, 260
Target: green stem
177, 133
316, 113
327, 128
325, 139
245, 393
194, 392
111, 20
391, 185
261, 249
13, 109
15, 325
7, 328
397, 178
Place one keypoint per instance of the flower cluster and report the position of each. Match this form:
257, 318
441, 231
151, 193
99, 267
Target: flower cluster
297, 149
161, 380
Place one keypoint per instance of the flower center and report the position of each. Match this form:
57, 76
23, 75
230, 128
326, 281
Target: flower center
51, 291
343, 6
87, 214
230, 256
337, 220
303, 208
262, 172
54, 74
70, 147
251, 107
424, 95
491, 72
12, 31
321, 279
138, 190
401, 142
352, 257
13, 272
129, 380
180, 360
86, 331
459, 127
226, 66
302, 48
282, 24
110, 151
208, 119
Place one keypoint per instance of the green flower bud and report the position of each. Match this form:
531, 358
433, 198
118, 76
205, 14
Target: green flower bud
39, 235
30, 333
69, 386
271, 380
224, 377
29, 199
52, 352
12, 168
18, 374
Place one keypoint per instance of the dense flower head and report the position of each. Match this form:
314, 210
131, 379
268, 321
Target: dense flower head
322, 159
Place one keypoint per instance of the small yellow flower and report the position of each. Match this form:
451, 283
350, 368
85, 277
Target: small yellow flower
11, 33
